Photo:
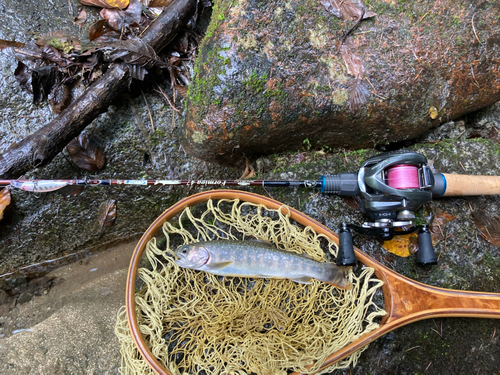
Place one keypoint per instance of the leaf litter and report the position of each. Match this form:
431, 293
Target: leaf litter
59, 63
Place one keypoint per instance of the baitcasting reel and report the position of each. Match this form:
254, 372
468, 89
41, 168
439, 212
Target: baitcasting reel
392, 186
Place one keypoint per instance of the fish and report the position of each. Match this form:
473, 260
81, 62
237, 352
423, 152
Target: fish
253, 258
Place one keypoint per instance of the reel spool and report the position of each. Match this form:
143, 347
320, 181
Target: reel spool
393, 185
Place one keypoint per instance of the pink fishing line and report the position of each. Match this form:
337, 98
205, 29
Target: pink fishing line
403, 177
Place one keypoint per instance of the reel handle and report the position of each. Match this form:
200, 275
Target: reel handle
425, 254
346, 256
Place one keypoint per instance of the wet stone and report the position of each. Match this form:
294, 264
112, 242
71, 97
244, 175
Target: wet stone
24, 297
275, 76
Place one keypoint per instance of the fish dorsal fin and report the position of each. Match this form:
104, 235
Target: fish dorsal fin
217, 266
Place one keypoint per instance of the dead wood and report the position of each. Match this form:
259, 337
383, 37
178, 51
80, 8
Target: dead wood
39, 148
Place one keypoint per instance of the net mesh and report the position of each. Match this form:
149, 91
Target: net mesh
199, 323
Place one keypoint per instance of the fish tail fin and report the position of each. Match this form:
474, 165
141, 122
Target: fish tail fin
336, 276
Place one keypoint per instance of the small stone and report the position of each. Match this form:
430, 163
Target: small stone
24, 297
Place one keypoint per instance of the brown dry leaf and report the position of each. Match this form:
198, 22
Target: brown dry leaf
400, 245
118, 19
440, 219
160, 3
107, 213
181, 90
81, 17
110, 4
23, 76
352, 202
488, 226
249, 170
86, 153
98, 29
4, 201
352, 62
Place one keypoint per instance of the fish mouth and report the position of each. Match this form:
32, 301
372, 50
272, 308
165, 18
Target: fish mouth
181, 261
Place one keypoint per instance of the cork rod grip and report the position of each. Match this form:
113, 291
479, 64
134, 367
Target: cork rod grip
459, 184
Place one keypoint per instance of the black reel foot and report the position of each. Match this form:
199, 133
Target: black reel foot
425, 255
346, 256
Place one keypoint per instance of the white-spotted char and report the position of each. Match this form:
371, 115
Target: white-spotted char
257, 259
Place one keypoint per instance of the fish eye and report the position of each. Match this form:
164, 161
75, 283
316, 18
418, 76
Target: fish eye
184, 250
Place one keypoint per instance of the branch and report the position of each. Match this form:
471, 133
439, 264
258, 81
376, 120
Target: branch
39, 148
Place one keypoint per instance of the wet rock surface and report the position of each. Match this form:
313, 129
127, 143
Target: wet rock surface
272, 76
62, 225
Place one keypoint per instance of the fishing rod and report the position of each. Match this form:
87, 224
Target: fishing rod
392, 186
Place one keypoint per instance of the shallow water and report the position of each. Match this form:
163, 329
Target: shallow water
70, 327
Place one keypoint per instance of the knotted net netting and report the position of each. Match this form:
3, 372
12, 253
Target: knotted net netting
198, 323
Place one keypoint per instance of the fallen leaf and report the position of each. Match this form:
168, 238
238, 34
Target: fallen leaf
119, 4
107, 213
98, 29
353, 63
43, 80
160, 3
488, 226
401, 245
181, 90
4, 201
249, 170
23, 76
118, 19
81, 17
357, 95
433, 113
436, 228
86, 153
352, 202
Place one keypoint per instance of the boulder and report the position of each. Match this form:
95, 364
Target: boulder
273, 76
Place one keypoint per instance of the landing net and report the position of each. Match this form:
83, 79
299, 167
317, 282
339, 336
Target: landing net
199, 323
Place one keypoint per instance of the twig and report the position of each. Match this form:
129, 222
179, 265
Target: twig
474, 29
473, 76
429, 365
415, 347
421, 18
160, 91
375, 91
149, 111
346, 34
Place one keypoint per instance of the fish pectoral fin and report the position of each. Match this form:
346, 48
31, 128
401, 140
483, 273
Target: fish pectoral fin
303, 280
217, 266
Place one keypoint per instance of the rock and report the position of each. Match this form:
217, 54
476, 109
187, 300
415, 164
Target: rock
24, 297
273, 76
